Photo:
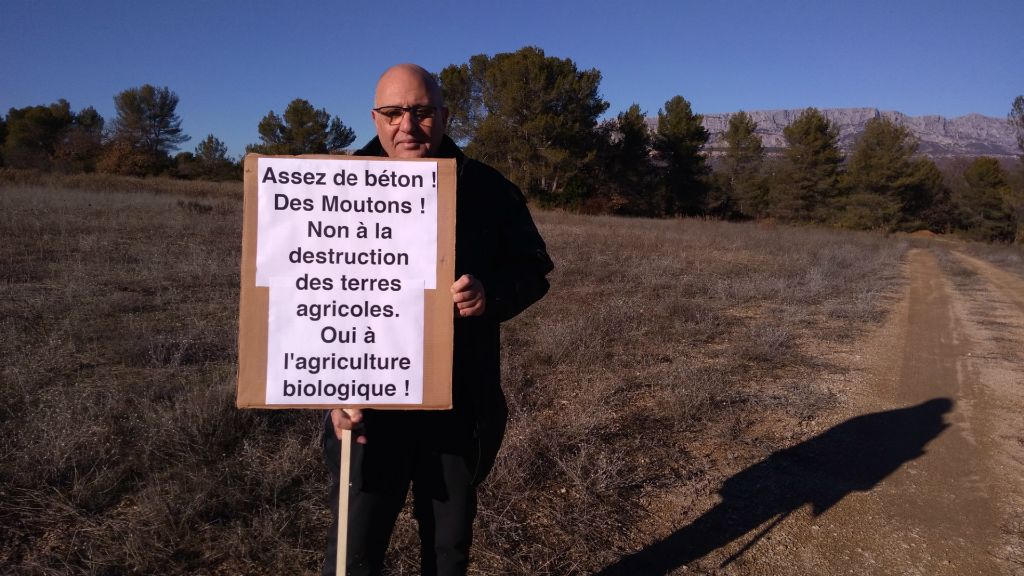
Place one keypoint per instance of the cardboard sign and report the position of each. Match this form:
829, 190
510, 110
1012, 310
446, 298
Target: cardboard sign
346, 268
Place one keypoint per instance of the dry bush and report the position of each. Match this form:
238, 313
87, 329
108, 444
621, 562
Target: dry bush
12, 177
121, 450
1008, 257
120, 447
1005, 256
657, 336
963, 276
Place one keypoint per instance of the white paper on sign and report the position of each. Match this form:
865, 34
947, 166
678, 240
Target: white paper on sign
353, 349
347, 248
359, 216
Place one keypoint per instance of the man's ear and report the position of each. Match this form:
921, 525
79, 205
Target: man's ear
444, 117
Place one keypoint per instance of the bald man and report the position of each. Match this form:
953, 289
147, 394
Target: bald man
500, 268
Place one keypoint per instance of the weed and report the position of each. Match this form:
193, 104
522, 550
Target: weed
121, 450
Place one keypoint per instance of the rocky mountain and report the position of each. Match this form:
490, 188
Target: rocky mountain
970, 135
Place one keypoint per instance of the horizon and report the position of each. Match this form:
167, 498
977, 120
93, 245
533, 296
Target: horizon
876, 108
231, 64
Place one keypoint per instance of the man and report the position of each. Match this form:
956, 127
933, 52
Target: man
500, 269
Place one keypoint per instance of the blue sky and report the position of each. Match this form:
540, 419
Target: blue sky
232, 62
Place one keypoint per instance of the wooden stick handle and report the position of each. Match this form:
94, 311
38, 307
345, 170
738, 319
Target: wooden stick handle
346, 461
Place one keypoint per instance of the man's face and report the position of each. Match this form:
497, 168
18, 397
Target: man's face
409, 136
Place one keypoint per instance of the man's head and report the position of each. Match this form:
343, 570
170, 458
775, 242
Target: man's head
415, 133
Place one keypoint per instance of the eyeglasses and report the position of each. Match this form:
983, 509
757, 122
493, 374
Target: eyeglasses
421, 114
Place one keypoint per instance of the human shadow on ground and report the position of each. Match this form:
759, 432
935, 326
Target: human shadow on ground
852, 456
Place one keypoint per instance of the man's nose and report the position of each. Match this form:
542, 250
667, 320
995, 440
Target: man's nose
408, 123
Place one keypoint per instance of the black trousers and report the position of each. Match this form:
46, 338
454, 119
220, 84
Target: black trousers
444, 502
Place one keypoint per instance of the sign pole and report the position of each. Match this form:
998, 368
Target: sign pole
343, 487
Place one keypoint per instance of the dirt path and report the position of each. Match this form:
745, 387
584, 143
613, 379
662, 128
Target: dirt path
922, 473
956, 508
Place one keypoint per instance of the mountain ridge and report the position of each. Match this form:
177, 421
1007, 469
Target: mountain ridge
969, 135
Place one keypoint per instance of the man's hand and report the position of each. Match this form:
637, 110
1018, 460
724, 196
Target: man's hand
347, 419
468, 295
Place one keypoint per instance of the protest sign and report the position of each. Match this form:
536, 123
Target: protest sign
346, 268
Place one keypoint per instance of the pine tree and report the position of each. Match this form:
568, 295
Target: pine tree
532, 116
34, 134
888, 188
302, 130
679, 140
741, 165
808, 183
1016, 118
984, 211
81, 145
211, 160
3, 138
147, 128
624, 178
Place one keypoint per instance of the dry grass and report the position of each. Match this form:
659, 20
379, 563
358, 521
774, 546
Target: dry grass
120, 448
661, 344
1009, 257
659, 340
12, 177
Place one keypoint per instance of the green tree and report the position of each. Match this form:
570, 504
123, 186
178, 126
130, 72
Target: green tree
147, 127
678, 141
930, 207
1016, 117
531, 115
984, 212
888, 188
807, 184
463, 97
81, 145
741, 166
3, 138
624, 176
303, 129
209, 162
34, 133
212, 151
184, 166
212, 161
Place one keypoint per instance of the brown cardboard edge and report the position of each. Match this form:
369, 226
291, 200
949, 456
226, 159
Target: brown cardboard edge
254, 301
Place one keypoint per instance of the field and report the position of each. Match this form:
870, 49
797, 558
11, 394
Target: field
668, 355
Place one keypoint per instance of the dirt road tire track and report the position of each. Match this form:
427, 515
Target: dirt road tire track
953, 509
921, 470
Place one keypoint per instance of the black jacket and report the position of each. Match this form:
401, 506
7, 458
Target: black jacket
497, 242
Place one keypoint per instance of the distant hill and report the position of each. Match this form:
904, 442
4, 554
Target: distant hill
970, 135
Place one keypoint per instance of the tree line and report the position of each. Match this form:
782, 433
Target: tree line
537, 119
145, 135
